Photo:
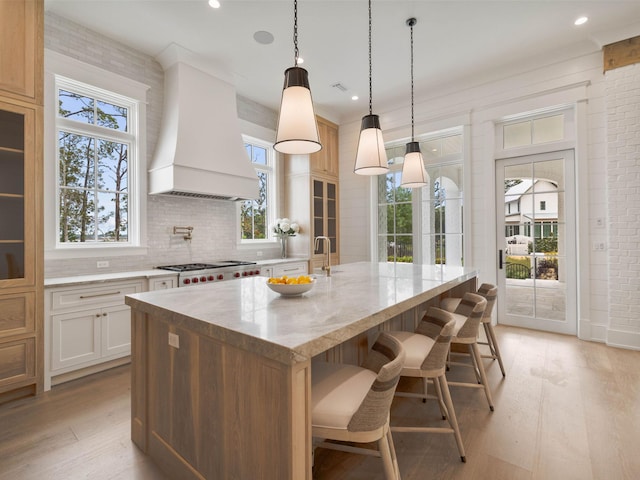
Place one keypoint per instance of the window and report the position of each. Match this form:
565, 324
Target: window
423, 225
543, 205
257, 215
96, 164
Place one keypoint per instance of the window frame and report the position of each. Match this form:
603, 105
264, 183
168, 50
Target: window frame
271, 169
62, 70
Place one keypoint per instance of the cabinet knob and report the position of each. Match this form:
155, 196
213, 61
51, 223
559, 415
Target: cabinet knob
98, 315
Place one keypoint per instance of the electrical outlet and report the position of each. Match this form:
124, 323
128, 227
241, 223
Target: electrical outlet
600, 222
103, 263
598, 246
258, 254
174, 340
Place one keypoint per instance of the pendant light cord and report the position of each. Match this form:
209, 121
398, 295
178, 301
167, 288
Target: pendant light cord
295, 32
370, 84
411, 25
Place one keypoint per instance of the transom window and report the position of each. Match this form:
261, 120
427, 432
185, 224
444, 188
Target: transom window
257, 215
96, 155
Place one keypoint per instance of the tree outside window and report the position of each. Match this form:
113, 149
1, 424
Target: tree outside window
94, 148
255, 215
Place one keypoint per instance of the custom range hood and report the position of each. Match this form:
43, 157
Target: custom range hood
200, 152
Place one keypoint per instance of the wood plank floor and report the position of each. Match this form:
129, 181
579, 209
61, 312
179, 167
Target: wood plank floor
568, 409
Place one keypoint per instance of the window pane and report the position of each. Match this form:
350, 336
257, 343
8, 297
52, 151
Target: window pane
77, 215
76, 160
548, 129
403, 218
112, 116
113, 166
451, 145
112, 217
75, 107
517, 134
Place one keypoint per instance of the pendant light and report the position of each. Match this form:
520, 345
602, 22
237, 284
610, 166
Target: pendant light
371, 156
297, 128
413, 173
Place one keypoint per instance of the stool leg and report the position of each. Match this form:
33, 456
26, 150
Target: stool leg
483, 375
493, 343
453, 421
394, 457
441, 404
385, 453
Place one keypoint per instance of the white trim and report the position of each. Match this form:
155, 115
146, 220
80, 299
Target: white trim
120, 89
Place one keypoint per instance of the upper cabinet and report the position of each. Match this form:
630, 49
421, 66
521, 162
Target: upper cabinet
21, 49
325, 162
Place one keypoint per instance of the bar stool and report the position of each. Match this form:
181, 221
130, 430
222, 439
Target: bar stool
351, 404
468, 315
490, 292
426, 358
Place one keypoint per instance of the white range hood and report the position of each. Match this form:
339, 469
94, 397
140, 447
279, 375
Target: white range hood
200, 152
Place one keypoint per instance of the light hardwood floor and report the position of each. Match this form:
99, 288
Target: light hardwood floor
568, 409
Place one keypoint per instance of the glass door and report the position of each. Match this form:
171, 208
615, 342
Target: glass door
537, 242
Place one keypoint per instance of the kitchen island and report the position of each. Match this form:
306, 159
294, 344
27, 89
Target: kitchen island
221, 373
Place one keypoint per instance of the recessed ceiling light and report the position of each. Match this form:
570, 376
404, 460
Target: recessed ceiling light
265, 38
581, 20
300, 60
214, 3
355, 97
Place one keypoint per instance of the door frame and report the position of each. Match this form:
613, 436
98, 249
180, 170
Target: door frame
570, 324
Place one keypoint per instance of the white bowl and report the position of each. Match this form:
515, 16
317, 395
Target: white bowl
291, 290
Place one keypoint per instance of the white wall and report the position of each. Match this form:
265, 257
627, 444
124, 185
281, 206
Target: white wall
578, 82
215, 226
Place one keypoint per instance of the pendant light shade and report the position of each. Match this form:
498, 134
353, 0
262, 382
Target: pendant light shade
414, 174
297, 127
371, 156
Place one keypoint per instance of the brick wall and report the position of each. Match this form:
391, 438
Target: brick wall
622, 94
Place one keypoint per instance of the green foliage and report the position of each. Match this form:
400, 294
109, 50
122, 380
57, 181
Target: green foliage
544, 245
518, 267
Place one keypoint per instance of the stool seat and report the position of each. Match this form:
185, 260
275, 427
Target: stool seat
416, 348
336, 393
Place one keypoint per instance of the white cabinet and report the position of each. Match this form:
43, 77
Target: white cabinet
89, 325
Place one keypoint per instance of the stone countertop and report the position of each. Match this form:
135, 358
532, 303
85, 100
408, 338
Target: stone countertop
249, 315
108, 277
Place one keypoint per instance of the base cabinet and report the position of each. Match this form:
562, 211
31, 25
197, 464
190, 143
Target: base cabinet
90, 326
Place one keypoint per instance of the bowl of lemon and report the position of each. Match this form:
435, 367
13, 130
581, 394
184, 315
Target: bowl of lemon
291, 286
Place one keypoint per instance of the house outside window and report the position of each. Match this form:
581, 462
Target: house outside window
96, 164
543, 205
256, 215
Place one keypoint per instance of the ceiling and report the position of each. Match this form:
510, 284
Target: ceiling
457, 44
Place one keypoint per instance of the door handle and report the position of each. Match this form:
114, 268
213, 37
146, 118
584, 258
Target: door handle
500, 259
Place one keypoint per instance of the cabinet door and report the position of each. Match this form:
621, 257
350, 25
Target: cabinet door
17, 362
325, 161
75, 338
21, 49
325, 216
17, 195
116, 331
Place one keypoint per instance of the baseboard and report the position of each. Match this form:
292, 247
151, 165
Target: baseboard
83, 372
622, 339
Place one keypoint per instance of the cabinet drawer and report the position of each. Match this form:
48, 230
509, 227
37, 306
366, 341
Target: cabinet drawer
17, 314
163, 283
17, 361
289, 269
86, 296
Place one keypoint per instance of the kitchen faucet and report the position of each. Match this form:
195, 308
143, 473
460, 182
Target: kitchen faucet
326, 266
